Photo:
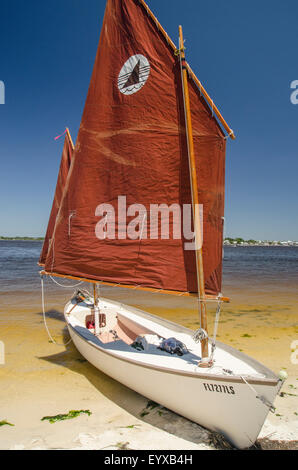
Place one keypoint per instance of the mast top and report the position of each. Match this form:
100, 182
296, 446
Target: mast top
213, 108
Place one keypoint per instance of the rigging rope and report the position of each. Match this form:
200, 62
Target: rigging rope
201, 334
263, 399
217, 317
258, 397
229, 135
66, 286
52, 267
44, 317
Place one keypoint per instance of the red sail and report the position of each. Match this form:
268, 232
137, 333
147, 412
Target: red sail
132, 142
62, 177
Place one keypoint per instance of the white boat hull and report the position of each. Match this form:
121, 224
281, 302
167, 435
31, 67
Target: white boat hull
219, 403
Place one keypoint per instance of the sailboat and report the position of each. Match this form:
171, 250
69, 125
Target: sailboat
151, 138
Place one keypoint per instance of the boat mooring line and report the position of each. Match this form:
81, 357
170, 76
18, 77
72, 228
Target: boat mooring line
44, 317
262, 399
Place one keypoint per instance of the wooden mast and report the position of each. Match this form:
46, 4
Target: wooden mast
195, 202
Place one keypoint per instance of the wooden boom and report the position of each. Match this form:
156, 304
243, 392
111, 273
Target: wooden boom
209, 298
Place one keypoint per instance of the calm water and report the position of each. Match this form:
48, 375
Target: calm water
261, 282
251, 269
18, 265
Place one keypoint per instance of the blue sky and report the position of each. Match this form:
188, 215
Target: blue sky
246, 55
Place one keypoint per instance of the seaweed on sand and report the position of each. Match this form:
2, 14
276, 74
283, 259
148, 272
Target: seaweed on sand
151, 405
5, 423
71, 415
122, 446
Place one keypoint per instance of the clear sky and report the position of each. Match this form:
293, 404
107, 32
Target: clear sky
244, 52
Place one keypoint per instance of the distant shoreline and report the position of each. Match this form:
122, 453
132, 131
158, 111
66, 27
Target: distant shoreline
21, 239
241, 242
238, 242
262, 245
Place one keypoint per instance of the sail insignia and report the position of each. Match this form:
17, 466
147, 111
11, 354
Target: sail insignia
134, 75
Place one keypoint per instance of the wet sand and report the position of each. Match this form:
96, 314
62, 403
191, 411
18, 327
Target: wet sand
42, 379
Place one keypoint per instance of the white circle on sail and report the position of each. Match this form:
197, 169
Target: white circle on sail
134, 74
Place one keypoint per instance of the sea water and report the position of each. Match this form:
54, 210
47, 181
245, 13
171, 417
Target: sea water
261, 282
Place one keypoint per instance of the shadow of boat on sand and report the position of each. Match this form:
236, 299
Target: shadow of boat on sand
133, 403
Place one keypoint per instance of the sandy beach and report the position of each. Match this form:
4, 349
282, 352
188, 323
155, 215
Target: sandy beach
43, 379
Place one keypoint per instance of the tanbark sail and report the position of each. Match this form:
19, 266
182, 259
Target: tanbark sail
132, 142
